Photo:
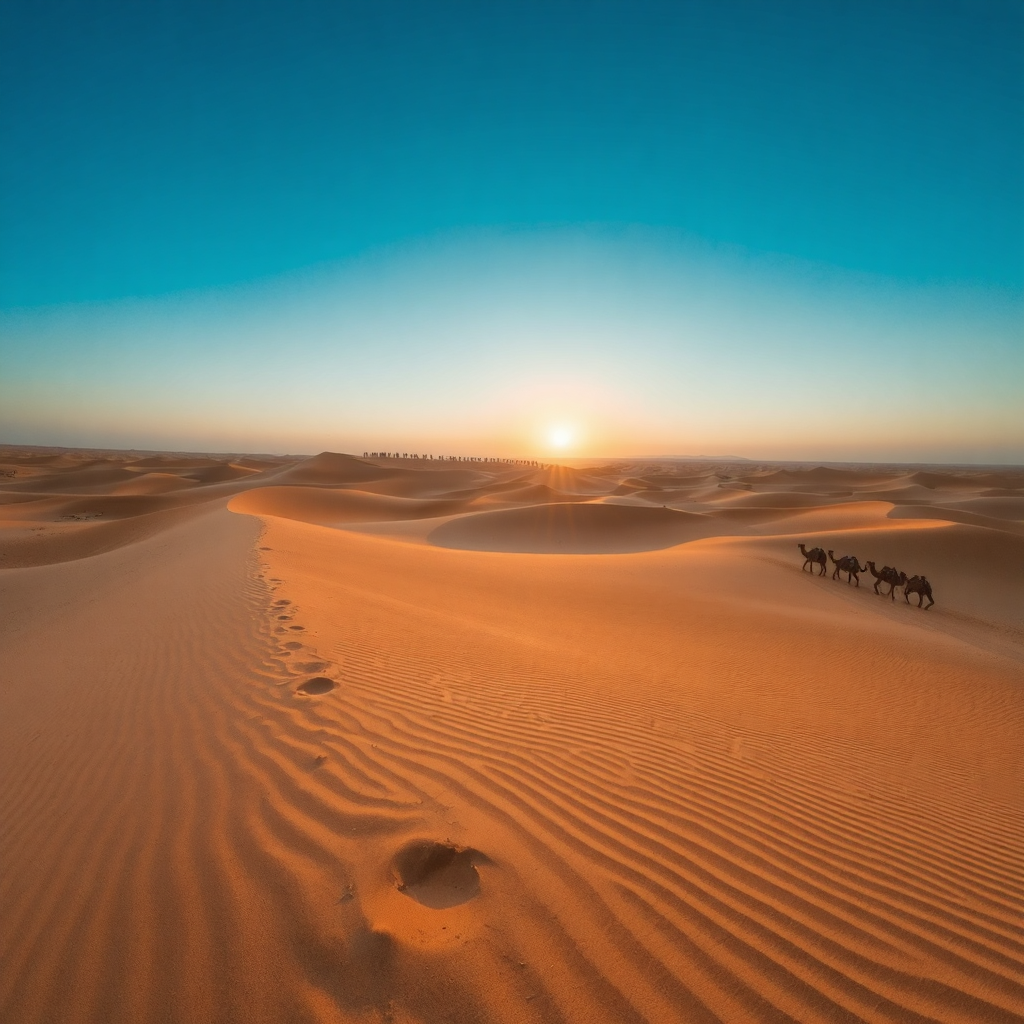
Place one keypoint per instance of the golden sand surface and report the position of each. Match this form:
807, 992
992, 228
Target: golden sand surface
343, 739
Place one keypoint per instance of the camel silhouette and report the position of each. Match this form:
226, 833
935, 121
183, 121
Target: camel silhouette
849, 565
816, 556
920, 586
887, 575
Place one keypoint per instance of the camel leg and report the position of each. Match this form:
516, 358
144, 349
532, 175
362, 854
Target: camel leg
876, 585
931, 601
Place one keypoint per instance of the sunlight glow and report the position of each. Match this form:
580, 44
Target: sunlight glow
560, 437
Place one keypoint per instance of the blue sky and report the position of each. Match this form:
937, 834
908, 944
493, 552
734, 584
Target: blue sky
628, 203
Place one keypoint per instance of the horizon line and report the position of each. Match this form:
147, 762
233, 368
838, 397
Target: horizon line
824, 463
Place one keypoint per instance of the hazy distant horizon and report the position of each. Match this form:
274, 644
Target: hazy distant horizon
569, 461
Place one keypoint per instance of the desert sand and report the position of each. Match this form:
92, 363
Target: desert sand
344, 739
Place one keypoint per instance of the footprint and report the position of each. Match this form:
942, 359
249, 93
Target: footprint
282, 602
284, 617
316, 686
437, 875
293, 645
296, 627
310, 666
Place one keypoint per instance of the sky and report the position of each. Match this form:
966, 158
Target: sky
779, 229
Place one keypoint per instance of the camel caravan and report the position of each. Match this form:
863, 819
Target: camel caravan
887, 574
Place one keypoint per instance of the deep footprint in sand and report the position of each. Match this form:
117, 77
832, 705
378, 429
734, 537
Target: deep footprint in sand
316, 686
294, 645
438, 875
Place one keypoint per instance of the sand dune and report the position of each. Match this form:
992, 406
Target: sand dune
997, 507
821, 475
952, 514
566, 480
572, 527
779, 499
816, 519
535, 494
336, 740
329, 507
155, 483
970, 481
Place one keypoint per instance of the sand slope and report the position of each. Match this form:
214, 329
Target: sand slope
331, 506
573, 528
259, 768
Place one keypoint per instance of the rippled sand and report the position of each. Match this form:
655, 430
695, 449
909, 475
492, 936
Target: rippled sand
347, 740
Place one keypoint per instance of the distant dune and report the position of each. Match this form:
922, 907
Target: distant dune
567, 528
353, 740
332, 506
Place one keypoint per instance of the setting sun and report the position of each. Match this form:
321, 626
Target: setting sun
560, 437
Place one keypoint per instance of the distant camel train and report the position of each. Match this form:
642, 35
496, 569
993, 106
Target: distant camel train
887, 574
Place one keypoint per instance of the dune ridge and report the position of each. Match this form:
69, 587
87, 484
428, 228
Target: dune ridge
260, 765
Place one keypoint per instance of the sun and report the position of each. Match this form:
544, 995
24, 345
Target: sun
560, 437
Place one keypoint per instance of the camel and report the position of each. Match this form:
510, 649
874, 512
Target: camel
816, 556
920, 586
887, 575
849, 565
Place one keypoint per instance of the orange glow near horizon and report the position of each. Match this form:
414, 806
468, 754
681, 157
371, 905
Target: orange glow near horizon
623, 349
